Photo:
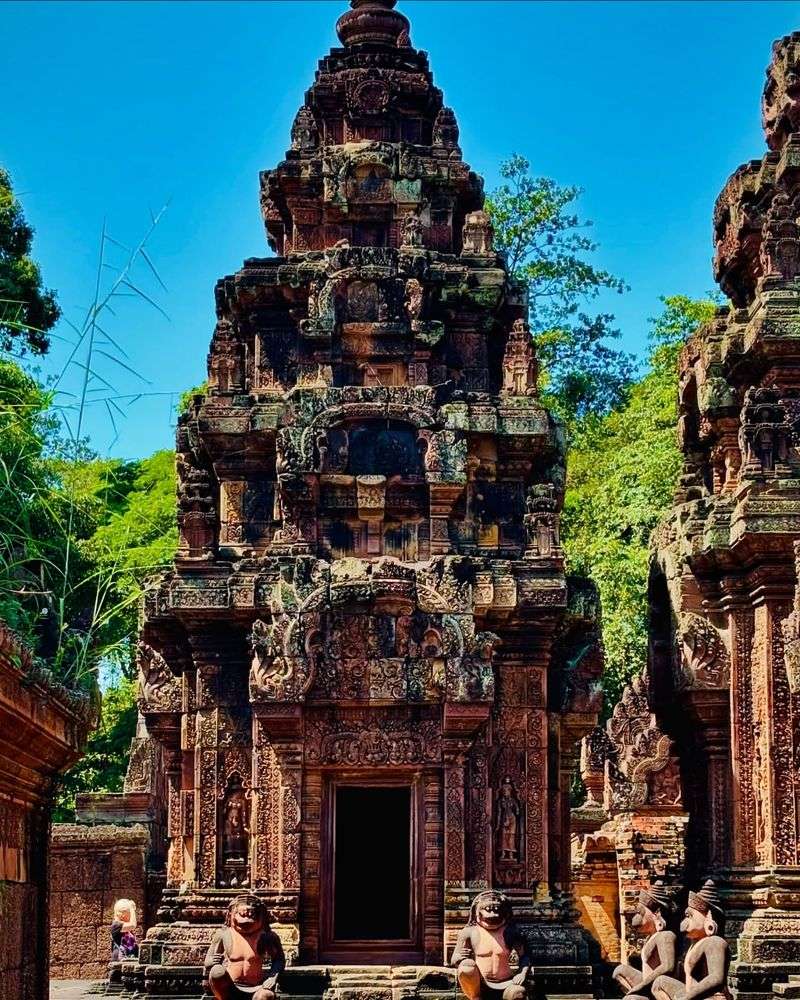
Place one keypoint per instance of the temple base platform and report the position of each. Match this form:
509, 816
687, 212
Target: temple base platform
133, 981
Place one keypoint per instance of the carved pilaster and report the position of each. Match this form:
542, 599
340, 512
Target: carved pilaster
289, 758
206, 762
742, 738
711, 710
265, 822
478, 803
175, 865
454, 784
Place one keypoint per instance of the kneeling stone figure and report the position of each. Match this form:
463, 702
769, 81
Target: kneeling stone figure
706, 964
482, 951
234, 965
659, 953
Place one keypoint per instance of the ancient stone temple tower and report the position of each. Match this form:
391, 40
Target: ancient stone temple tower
725, 663
365, 668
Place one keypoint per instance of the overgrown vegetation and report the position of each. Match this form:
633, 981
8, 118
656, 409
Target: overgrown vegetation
78, 533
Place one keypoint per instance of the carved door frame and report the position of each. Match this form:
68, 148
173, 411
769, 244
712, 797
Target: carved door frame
369, 952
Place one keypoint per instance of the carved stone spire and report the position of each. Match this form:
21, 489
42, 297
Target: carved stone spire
372, 22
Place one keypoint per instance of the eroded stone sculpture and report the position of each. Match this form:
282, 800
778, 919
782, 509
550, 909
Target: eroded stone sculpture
236, 958
659, 952
482, 955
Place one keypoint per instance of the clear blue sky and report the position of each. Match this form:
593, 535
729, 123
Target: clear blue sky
112, 108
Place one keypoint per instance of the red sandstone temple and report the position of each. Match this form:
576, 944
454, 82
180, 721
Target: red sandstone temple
367, 676
363, 668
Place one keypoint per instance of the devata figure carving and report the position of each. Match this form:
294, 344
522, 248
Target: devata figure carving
660, 949
507, 824
706, 964
482, 951
235, 828
234, 964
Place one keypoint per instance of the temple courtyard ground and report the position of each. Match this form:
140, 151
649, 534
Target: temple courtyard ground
72, 989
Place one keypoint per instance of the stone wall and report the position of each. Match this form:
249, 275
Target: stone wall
42, 730
114, 850
90, 868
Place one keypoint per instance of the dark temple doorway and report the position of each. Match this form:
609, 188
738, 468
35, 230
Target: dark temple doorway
373, 850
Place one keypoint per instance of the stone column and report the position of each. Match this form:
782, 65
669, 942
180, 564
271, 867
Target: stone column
479, 816
711, 709
289, 755
265, 815
743, 799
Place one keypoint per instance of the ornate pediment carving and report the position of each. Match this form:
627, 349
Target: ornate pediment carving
635, 756
159, 688
704, 659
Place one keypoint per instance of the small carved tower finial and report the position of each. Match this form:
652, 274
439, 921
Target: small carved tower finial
372, 22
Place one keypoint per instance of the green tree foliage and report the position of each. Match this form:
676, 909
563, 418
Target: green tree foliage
548, 249
103, 766
115, 519
134, 536
34, 513
621, 474
27, 310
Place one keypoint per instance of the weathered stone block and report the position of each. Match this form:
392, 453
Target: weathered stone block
80, 908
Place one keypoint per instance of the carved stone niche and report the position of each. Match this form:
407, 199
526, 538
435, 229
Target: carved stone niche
305, 134
541, 521
225, 360
445, 130
780, 245
234, 827
520, 367
508, 827
764, 433
478, 234
197, 510
369, 448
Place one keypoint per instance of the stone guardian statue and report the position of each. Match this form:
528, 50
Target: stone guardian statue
234, 965
659, 953
706, 964
482, 951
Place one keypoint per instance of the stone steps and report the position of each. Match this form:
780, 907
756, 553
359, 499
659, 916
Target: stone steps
790, 990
